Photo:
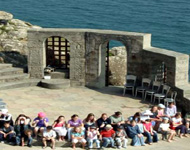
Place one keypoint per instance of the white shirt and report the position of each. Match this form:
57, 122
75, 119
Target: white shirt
164, 126
143, 118
49, 134
176, 120
92, 135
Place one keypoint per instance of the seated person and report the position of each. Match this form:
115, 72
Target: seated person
171, 110
165, 130
4, 117
89, 121
59, 126
117, 120
77, 135
103, 121
187, 121
92, 137
136, 117
74, 122
148, 132
108, 135
121, 137
49, 135
40, 123
22, 123
176, 124
6, 133
134, 133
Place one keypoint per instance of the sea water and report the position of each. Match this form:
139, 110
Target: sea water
167, 20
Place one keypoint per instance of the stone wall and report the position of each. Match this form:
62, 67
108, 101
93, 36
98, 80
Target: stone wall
88, 54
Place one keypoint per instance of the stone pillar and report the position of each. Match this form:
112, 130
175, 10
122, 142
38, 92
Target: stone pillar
35, 56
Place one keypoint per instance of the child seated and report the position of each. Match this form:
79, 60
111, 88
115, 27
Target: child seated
121, 137
6, 133
59, 127
77, 135
107, 135
148, 132
92, 136
49, 135
40, 123
134, 133
165, 130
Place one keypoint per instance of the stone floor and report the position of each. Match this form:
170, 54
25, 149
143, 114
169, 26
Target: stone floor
81, 101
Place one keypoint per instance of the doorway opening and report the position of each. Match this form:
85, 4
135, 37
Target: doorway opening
58, 56
115, 63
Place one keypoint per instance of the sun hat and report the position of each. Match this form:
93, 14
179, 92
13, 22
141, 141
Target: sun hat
108, 126
161, 106
147, 113
41, 114
4, 111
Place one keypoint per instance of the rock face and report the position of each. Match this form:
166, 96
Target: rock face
117, 65
13, 39
5, 16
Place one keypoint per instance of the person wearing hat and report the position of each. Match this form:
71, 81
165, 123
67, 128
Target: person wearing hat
121, 137
40, 123
117, 120
164, 129
145, 115
107, 135
5, 116
92, 137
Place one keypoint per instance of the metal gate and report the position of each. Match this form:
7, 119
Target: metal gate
57, 52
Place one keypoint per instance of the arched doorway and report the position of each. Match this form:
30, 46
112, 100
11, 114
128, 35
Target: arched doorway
115, 63
57, 52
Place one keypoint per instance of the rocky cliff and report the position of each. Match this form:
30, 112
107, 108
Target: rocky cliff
13, 40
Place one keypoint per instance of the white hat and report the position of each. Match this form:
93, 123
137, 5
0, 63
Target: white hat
161, 106
4, 111
147, 113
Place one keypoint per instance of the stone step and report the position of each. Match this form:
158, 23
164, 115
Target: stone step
59, 74
64, 144
3, 66
12, 78
10, 71
55, 83
18, 84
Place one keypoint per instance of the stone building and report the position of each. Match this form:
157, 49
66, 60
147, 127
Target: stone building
84, 52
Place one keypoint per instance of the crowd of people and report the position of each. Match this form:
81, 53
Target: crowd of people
107, 131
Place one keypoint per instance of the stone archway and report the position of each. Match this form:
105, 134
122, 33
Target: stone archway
104, 63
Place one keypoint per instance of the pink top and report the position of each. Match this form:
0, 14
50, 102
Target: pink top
59, 124
160, 112
148, 126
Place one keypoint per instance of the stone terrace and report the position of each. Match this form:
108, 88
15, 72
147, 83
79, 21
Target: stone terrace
76, 100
